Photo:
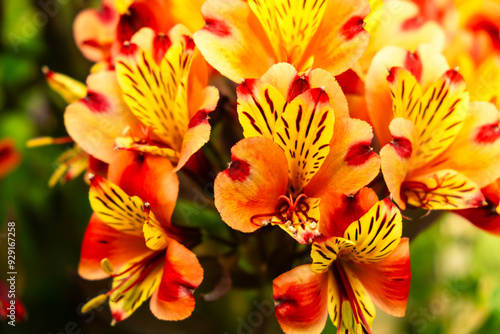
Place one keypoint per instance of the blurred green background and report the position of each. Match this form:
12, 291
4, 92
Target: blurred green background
456, 269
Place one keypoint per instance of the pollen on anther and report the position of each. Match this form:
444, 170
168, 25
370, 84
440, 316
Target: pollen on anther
313, 225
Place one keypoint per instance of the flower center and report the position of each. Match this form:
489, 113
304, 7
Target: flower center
299, 216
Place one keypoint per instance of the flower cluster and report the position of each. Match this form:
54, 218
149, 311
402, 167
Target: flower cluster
351, 111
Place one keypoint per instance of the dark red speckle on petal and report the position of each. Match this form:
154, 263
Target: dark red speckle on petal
391, 76
352, 27
96, 102
246, 87
402, 146
238, 170
488, 134
106, 14
199, 118
128, 49
454, 77
299, 85
319, 95
358, 154
161, 44
217, 27
412, 23
413, 64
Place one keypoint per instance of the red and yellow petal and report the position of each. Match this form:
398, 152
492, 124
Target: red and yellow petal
150, 178
115, 208
304, 131
426, 64
486, 218
475, 152
438, 114
102, 241
445, 189
290, 26
182, 273
338, 211
387, 281
101, 116
259, 107
301, 300
255, 178
351, 163
376, 234
341, 38
231, 39
135, 287
155, 84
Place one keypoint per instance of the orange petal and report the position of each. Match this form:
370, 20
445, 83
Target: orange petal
149, 177
388, 281
182, 274
95, 31
256, 177
475, 152
338, 211
96, 120
102, 241
198, 132
9, 157
351, 163
231, 39
341, 38
301, 300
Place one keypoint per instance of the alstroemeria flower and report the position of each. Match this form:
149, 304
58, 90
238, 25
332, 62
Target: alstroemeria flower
130, 239
100, 33
242, 39
444, 148
292, 154
157, 101
9, 156
362, 263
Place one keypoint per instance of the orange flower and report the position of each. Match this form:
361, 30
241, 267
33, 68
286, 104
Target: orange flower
361, 263
134, 242
9, 156
292, 154
157, 101
444, 149
100, 33
242, 39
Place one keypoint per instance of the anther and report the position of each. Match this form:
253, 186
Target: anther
313, 225
107, 267
94, 302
